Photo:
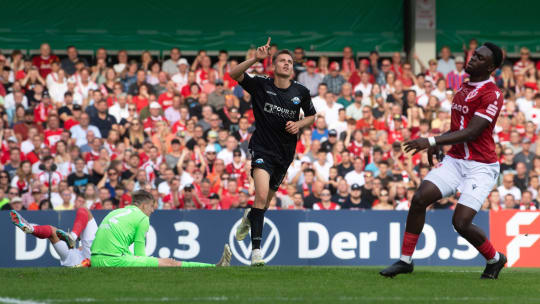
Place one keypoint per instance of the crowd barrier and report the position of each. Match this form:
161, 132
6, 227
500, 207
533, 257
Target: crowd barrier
352, 238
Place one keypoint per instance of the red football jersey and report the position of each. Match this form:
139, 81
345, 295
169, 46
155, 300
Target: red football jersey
483, 99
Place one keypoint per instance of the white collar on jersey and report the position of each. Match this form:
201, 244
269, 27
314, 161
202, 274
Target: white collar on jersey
480, 83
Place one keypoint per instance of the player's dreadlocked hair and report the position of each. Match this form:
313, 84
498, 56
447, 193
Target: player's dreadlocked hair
142, 196
497, 53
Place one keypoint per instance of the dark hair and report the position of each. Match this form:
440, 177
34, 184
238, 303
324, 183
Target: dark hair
223, 52
284, 51
142, 196
497, 53
43, 202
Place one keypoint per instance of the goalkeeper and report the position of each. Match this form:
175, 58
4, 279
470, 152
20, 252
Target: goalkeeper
126, 226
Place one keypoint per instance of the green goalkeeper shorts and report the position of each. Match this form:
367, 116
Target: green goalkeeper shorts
123, 261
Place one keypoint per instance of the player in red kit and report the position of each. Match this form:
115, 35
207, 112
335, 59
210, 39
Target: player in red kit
470, 166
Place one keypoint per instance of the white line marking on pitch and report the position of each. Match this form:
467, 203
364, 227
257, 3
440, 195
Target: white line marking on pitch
18, 301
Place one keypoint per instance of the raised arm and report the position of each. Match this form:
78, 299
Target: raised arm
237, 73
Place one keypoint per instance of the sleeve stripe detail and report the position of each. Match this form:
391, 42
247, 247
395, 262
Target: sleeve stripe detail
484, 116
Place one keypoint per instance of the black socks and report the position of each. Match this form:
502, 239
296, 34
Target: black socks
256, 217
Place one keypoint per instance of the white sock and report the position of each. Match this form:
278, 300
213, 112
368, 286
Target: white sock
406, 258
31, 229
495, 259
73, 235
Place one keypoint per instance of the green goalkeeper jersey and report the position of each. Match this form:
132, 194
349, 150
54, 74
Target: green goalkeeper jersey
119, 229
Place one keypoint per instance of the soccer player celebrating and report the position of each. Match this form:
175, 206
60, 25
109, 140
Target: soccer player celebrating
276, 105
84, 228
129, 225
470, 166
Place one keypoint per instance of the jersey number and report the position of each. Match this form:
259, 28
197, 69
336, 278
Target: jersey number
114, 219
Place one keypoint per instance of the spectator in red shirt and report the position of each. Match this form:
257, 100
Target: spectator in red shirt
53, 132
150, 123
44, 60
325, 203
230, 195
214, 202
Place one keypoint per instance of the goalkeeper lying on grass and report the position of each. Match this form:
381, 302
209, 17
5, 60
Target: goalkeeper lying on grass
126, 226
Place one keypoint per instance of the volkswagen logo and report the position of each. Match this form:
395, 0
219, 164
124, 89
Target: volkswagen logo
269, 247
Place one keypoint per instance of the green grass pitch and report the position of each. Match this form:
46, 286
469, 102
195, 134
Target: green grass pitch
265, 285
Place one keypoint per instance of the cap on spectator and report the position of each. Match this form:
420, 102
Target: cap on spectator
334, 66
214, 196
155, 105
355, 186
396, 144
212, 133
234, 110
364, 61
77, 107
459, 59
332, 132
46, 94
12, 139
311, 64
210, 148
71, 80
182, 61
358, 93
531, 85
188, 186
219, 82
16, 199
175, 141
245, 191
305, 159
397, 117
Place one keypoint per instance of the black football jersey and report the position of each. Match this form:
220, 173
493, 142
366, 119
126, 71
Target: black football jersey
272, 108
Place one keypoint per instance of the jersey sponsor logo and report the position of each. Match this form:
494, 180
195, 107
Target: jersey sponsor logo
271, 93
295, 100
492, 109
517, 233
464, 109
279, 111
269, 245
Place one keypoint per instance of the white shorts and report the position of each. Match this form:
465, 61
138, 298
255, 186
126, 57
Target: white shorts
473, 179
73, 257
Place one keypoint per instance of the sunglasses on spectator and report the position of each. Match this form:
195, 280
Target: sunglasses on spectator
210, 152
4, 176
36, 192
237, 155
12, 193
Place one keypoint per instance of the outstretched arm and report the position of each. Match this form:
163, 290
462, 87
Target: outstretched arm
237, 73
476, 126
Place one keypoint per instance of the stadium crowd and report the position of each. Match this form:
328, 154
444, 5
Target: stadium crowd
72, 129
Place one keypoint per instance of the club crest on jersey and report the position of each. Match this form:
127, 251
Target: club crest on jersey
259, 161
471, 95
295, 100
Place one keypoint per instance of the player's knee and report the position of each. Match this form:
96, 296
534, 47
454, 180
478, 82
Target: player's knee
460, 225
417, 202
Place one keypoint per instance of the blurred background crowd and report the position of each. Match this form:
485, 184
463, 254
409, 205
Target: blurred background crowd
89, 130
